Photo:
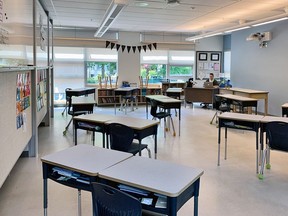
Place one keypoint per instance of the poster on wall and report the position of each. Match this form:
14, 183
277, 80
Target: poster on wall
208, 62
23, 92
41, 89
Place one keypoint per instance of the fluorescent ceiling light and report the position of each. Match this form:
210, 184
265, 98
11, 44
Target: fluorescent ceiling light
69, 56
103, 57
182, 58
154, 58
271, 21
237, 29
110, 15
211, 35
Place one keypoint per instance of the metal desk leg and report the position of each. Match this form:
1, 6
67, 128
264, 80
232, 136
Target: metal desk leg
225, 157
219, 140
196, 195
257, 154
79, 203
45, 198
146, 109
75, 133
155, 145
179, 119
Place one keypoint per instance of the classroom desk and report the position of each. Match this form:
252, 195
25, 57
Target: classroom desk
94, 120
87, 161
165, 102
80, 91
125, 91
263, 123
83, 104
200, 94
241, 122
257, 94
177, 182
240, 101
284, 110
142, 127
174, 92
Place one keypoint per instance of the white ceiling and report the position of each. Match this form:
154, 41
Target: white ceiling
191, 16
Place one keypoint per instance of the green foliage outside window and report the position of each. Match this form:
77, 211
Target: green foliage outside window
100, 69
180, 70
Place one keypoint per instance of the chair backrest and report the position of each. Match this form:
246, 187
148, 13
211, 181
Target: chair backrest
277, 134
67, 97
121, 136
108, 201
153, 110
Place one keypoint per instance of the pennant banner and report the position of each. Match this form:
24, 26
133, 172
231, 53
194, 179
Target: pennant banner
134, 48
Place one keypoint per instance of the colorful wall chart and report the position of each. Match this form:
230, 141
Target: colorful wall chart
23, 87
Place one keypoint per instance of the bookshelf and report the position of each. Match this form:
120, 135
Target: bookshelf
105, 96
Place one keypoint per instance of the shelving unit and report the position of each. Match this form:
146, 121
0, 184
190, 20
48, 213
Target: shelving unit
105, 96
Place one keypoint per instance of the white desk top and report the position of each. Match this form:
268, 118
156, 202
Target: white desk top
236, 97
241, 116
135, 123
153, 175
285, 105
174, 90
86, 159
83, 100
126, 89
98, 118
249, 91
267, 119
81, 89
163, 99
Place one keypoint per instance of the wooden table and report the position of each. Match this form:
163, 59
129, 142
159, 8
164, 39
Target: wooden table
241, 122
257, 94
176, 182
240, 101
200, 94
84, 161
166, 103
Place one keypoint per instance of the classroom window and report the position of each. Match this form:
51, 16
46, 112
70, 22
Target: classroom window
180, 70
100, 70
155, 72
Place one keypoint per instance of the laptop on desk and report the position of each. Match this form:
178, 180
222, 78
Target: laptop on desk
208, 84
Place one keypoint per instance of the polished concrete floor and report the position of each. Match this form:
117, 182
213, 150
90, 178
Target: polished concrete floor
230, 189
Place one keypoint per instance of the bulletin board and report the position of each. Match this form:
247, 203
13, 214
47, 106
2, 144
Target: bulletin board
208, 62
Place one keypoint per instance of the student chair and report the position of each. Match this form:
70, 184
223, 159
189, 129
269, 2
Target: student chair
161, 115
121, 139
126, 99
91, 127
67, 101
75, 112
220, 106
277, 136
109, 201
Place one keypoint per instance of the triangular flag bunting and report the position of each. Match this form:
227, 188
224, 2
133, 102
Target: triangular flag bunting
107, 43
144, 48
128, 48
155, 45
112, 45
139, 48
134, 48
123, 48
118, 46
150, 46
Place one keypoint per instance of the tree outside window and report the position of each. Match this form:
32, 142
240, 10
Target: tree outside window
96, 70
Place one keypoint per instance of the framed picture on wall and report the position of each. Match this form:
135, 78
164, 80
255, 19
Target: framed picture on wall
214, 57
202, 56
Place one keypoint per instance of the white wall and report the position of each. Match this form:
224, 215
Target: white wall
129, 63
262, 68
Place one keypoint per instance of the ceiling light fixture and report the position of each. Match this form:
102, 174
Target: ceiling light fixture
243, 25
110, 15
237, 29
271, 21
